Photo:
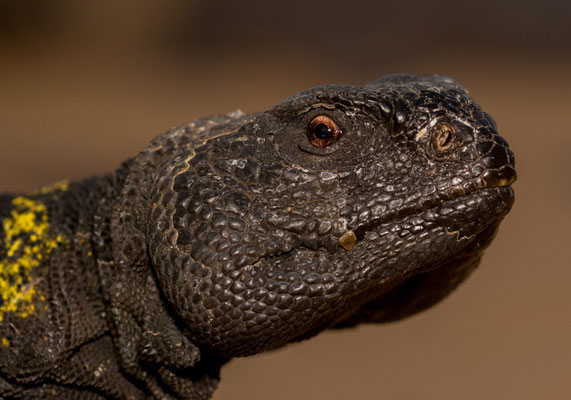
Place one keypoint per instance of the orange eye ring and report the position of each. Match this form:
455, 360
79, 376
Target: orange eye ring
323, 131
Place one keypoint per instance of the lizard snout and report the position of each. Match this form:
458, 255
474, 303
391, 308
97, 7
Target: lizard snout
497, 160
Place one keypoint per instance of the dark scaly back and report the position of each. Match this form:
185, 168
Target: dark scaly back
53, 328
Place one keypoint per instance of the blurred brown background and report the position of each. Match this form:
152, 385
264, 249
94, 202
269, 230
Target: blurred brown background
86, 84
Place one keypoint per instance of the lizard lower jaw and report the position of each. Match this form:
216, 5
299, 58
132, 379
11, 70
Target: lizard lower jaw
459, 212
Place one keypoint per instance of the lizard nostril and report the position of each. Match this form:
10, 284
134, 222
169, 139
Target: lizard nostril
504, 176
498, 161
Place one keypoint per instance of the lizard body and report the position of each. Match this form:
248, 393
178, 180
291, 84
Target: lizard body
240, 233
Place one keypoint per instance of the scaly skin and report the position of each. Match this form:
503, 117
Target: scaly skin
237, 234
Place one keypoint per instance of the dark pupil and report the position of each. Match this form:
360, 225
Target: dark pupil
322, 131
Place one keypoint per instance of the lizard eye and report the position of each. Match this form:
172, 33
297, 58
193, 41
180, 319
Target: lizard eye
322, 131
443, 138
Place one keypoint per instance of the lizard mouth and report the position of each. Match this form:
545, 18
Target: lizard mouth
457, 212
465, 223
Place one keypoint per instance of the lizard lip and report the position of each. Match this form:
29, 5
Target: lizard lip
498, 201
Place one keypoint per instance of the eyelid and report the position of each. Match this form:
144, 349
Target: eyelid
316, 106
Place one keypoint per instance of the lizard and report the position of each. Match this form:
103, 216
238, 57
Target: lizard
240, 233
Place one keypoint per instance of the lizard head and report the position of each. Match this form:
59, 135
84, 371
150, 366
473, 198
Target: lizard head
340, 205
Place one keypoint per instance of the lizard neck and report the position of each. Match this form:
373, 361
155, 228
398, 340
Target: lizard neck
49, 279
43, 234
149, 340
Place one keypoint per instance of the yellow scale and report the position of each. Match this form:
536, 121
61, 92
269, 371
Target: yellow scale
28, 218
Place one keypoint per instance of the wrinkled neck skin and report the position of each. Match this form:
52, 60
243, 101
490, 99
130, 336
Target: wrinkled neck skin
51, 302
150, 339
149, 330
76, 280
